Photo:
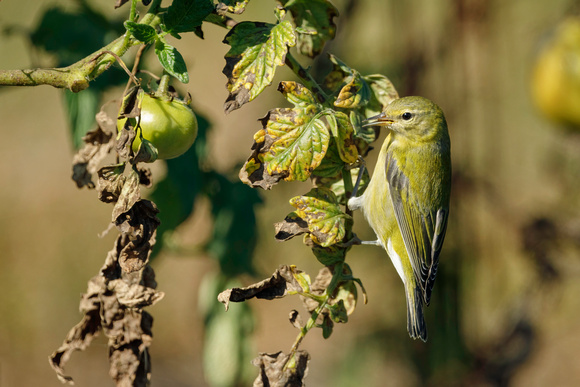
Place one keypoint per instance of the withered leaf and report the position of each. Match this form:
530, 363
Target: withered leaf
139, 227
130, 109
285, 280
290, 227
98, 144
130, 194
110, 183
275, 373
113, 302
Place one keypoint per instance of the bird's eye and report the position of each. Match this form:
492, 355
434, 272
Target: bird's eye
407, 116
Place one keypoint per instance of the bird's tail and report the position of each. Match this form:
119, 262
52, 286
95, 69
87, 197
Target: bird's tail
415, 320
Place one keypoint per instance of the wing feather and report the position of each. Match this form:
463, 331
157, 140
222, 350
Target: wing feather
423, 229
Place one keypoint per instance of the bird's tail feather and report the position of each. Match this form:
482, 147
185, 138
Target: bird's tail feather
415, 319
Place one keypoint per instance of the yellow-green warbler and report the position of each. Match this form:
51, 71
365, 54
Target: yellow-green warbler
407, 200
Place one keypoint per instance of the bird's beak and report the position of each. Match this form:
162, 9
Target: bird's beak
378, 120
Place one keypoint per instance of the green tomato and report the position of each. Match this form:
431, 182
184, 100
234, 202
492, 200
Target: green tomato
170, 126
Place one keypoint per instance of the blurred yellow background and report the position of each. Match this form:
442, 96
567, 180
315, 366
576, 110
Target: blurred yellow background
508, 285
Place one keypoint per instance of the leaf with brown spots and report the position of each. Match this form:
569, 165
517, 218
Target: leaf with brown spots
256, 50
292, 142
321, 211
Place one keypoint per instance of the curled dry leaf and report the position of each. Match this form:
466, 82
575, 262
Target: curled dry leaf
285, 280
274, 371
113, 303
139, 226
290, 227
98, 144
110, 182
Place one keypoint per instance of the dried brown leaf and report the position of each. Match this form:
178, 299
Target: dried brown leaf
290, 227
98, 144
110, 183
130, 194
282, 282
114, 302
275, 373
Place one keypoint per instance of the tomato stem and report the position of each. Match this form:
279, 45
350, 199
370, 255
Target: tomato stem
163, 89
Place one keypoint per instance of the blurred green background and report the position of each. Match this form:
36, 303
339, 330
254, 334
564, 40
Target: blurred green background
505, 307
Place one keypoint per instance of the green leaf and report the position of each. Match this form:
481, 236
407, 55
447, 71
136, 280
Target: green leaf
256, 50
382, 93
142, 32
331, 165
314, 21
172, 61
186, 15
328, 256
321, 211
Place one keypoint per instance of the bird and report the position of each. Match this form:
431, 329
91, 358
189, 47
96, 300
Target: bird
406, 202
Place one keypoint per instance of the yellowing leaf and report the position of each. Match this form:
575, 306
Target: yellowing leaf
343, 133
256, 50
325, 219
291, 144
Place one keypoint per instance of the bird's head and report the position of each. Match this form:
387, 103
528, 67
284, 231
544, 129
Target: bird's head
415, 118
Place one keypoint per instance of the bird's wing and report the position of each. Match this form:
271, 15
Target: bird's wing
423, 228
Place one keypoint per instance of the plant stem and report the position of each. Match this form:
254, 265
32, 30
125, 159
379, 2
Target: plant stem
77, 76
163, 89
311, 323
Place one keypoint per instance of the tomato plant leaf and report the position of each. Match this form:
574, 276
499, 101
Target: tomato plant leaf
293, 225
321, 211
314, 21
256, 50
343, 132
142, 32
291, 144
331, 164
382, 93
326, 255
186, 15
284, 281
354, 94
172, 61
275, 372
